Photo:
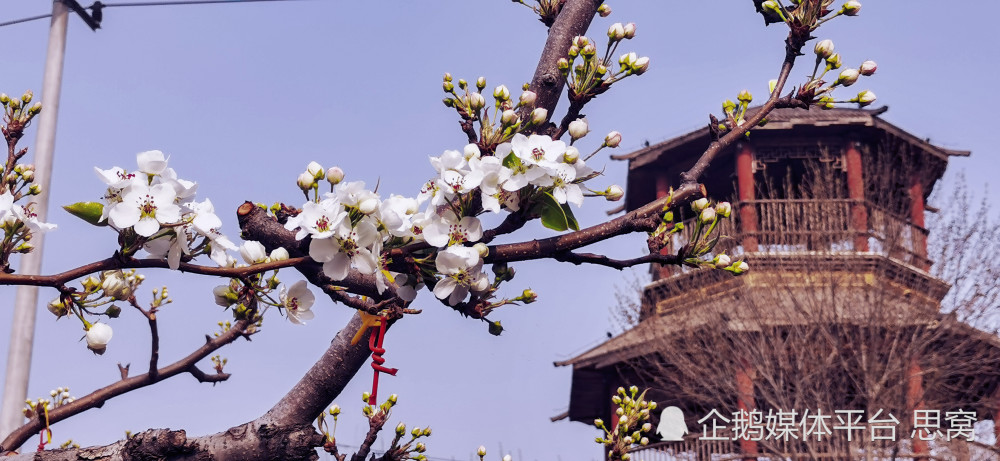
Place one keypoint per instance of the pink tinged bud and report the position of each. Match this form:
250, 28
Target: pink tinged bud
865, 98
447, 76
852, 8
481, 83
868, 68
580, 41
604, 10
589, 50
824, 48
848, 77
640, 65
335, 175
578, 128
574, 51
528, 98
477, 101
613, 139
616, 31
627, 59
306, 181
630, 30
539, 115
614, 193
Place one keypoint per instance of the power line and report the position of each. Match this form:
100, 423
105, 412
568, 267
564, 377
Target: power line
127, 4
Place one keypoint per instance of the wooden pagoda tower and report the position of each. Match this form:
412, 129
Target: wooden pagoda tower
840, 308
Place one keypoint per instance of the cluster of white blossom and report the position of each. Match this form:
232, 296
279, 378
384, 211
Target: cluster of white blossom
161, 208
351, 226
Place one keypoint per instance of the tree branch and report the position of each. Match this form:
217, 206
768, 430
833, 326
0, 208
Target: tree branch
97, 398
602, 260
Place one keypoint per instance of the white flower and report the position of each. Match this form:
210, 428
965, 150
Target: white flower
707, 215
563, 188
297, 301
335, 175
320, 220
184, 189
253, 252
278, 254
396, 214
116, 286
449, 230
115, 177
151, 162
461, 269
305, 181
222, 295
98, 336
30, 219
145, 208
348, 245
352, 193
530, 152
206, 223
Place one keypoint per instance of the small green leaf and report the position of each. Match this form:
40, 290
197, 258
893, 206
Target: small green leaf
496, 328
556, 216
87, 211
511, 161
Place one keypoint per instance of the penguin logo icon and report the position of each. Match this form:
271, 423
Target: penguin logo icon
672, 427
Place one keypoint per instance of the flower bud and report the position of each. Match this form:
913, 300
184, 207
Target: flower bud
506, 458
35, 108
699, 204
722, 261
728, 106
400, 429
480, 285
868, 68
58, 308
627, 59
539, 116
98, 336
368, 206
848, 77
771, 85
316, 170
448, 87
744, 96
563, 64
481, 451
613, 139
509, 117
26, 97
4, 99
90, 284
629, 30
365, 396
616, 32
824, 49
572, 155
470, 151
527, 98
113, 311
481, 83
278, 254
589, 50
501, 93
223, 295
253, 252
335, 410
865, 98
604, 10
708, 215
742, 267
482, 248
580, 41
447, 76
724, 209
306, 181
477, 101
833, 62
640, 65
578, 128
851, 8
614, 193
599, 423
529, 296
115, 285
334, 175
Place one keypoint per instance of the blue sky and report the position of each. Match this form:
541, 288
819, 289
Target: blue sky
242, 97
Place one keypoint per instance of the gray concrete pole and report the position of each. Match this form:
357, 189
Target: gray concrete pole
15, 389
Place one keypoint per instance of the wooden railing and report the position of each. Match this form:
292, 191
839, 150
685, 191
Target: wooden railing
827, 225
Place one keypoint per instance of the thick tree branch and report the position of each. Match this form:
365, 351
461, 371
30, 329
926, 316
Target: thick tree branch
574, 19
97, 398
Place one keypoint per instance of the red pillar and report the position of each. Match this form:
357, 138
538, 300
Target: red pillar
662, 189
856, 192
915, 401
745, 402
745, 192
917, 219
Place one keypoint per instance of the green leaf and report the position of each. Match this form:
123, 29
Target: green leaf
88, 211
556, 216
496, 328
511, 161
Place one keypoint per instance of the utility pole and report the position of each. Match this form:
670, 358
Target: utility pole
15, 389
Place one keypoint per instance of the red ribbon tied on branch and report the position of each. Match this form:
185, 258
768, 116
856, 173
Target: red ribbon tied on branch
375, 345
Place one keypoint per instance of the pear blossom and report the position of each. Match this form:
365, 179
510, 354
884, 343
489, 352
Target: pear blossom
461, 268
349, 245
297, 301
184, 189
449, 230
26, 215
319, 220
396, 214
98, 336
151, 162
145, 208
563, 188
530, 152
253, 252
